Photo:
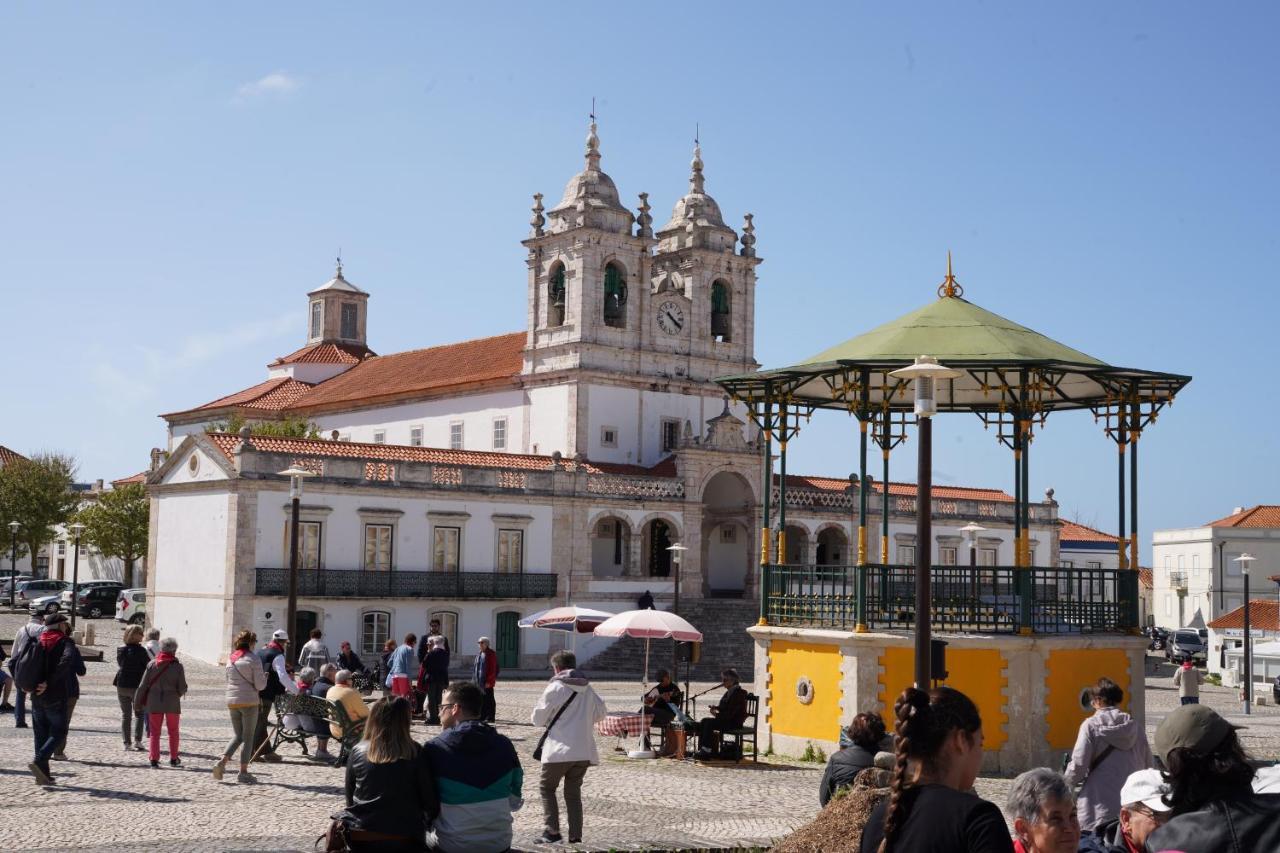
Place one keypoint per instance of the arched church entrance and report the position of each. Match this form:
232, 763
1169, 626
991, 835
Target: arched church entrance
797, 545
658, 538
833, 547
728, 503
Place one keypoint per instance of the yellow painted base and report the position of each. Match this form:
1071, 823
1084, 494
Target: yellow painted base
1067, 672
861, 628
820, 663
977, 673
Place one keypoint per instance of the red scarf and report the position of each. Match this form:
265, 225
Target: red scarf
165, 657
237, 654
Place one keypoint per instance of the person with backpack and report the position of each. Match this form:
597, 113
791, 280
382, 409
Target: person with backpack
160, 694
26, 633
41, 668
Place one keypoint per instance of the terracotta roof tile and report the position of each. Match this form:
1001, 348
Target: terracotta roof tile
1146, 578
1072, 532
475, 362
319, 448
1262, 615
140, 477
1262, 515
7, 456
832, 484
274, 395
327, 354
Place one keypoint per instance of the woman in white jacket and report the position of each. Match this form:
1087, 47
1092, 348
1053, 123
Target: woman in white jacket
570, 708
245, 678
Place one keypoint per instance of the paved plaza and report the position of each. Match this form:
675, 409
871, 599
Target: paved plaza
111, 800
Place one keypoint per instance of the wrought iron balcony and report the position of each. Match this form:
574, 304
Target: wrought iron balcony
988, 599
358, 583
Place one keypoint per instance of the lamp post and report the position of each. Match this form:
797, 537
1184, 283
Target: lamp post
925, 373
1244, 560
971, 531
13, 562
296, 475
76, 529
677, 555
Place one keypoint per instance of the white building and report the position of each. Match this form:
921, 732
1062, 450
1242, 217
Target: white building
1195, 569
485, 480
1226, 642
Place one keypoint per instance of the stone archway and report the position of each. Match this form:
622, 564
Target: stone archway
659, 535
728, 503
610, 547
832, 548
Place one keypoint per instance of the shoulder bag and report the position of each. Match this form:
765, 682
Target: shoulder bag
537, 750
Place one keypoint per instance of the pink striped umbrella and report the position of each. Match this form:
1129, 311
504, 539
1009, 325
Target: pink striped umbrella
648, 625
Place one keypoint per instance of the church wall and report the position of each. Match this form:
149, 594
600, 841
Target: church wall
188, 578
476, 412
548, 413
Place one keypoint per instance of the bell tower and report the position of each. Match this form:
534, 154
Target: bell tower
337, 312
588, 273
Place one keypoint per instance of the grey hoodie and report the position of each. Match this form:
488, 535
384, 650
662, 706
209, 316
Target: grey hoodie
1099, 799
572, 737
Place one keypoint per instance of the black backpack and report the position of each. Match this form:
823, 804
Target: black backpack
30, 667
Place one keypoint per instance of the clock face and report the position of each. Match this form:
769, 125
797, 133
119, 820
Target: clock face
670, 317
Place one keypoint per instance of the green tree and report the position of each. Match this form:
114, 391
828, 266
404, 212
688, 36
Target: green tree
117, 525
288, 427
37, 494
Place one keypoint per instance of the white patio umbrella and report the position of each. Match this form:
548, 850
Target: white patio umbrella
649, 625
572, 619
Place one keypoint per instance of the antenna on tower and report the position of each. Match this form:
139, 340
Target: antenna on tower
697, 133
593, 108
339, 262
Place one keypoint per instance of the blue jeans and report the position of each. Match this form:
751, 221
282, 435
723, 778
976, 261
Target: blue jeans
50, 722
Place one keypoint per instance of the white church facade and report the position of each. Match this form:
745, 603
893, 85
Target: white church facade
485, 480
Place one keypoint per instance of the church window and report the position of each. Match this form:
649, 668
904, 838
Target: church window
375, 630
670, 434
720, 315
446, 548
455, 435
615, 296
415, 436
555, 295
510, 551
317, 320
350, 324
377, 547
608, 436
499, 433
380, 436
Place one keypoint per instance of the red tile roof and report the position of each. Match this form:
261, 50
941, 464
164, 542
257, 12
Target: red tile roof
1262, 515
1147, 578
327, 354
314, 447
494, 360
1069, 531
831, 484
7, 456
140, 477
1262, 615
274, 395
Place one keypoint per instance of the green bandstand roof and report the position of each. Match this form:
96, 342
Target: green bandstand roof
1004, 365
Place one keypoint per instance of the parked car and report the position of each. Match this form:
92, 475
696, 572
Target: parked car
46, 604
8, 581
131, 606
97, 600
1186, 643
37, 589
84, 585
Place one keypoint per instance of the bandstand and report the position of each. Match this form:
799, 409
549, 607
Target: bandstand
1022, 640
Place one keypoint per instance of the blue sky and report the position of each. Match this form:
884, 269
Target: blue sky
176, 177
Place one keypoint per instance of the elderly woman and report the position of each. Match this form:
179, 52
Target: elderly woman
131, 662
1044, 813
859, 742
160, 695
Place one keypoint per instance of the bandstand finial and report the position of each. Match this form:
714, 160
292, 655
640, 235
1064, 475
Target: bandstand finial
950, 287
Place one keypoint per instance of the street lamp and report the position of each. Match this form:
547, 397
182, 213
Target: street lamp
296, 475
924, 373
76, 529
971, 531
13, 563
677, 554
1244, 560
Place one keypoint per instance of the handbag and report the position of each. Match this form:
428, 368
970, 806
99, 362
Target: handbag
537, 750
335, 837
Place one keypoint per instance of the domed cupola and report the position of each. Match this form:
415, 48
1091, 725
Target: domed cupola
696, 220
591, 198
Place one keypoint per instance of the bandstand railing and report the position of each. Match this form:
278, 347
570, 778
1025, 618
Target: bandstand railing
986, 599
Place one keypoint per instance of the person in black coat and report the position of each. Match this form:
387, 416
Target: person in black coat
131, 662
389, 789
863, 736
435, 672
729, 713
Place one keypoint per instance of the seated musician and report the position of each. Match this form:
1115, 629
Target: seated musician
728, 714
661, 697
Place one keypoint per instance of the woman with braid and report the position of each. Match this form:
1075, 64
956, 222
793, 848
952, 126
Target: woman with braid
939, 749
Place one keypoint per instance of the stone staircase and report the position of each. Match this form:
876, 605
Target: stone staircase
726, 643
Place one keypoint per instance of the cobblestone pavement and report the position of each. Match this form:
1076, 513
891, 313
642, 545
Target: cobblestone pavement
111, 800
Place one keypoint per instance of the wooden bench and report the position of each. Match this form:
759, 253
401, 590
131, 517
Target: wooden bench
304, 705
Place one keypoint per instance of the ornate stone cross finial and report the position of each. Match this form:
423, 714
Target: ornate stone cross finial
537, 220
748, 236
643, 219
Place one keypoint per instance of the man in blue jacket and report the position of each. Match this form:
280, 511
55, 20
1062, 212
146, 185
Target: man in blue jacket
477, 774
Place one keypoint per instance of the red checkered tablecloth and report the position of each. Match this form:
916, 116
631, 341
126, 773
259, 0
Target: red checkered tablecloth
624, 724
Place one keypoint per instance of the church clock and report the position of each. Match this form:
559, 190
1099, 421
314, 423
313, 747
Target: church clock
670, 317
